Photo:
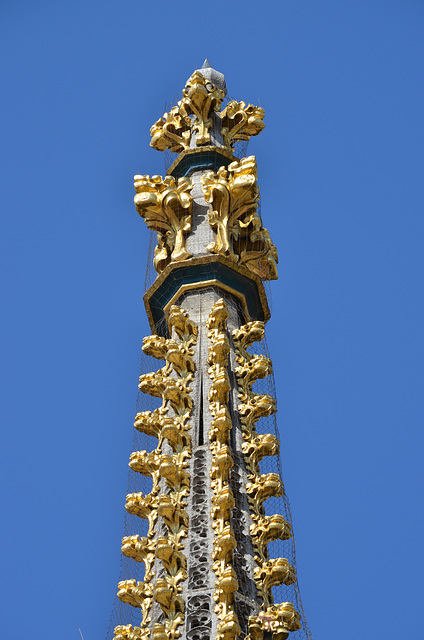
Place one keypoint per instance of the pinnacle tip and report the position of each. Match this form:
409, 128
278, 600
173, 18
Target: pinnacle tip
206, 64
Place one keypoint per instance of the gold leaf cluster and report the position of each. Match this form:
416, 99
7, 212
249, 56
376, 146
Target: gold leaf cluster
194, 114
165, 206
128, 632
233, 193
278, 619
241, 121
169, 422
223, 500
264, 529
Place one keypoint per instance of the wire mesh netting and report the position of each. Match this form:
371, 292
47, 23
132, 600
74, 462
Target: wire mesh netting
272, 464
124, 614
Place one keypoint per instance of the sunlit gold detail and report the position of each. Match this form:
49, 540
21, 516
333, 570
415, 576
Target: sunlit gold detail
165, 205
264, 529
223, 500
250, 367
172, 510
228, 628
255, 407
271, 574
168, 422
240, 122
143, 506
139, 595
146, 463
141, 550
197, 125
255, 368
257, 448
201, 99
247, 335
192, 115
172, 131
233, 193
159, 632
128, 632
185, 328
279, 620
264, 486
174, 561
220, 426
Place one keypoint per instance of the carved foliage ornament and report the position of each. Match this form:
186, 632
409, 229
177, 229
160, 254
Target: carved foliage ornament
279, 619
172, 385
240, 122
223, 500
260, 487
233, 193
194, 116
128, 632
165, 205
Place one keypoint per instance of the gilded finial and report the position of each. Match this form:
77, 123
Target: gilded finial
197, 120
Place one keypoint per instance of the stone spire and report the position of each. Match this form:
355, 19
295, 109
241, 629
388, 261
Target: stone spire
204, 546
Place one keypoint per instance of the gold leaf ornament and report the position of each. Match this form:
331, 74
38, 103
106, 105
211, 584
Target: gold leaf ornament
128, 632
240, 122
192, 116
233, 193
165, 205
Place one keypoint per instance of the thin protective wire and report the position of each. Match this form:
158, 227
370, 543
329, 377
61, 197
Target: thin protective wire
272, 464
124, 614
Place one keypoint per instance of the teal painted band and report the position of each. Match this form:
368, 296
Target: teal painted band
201, 273
200, 161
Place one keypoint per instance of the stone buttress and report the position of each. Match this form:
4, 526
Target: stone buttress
208, 573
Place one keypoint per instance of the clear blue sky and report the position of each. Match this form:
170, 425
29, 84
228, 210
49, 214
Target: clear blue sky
341, 175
